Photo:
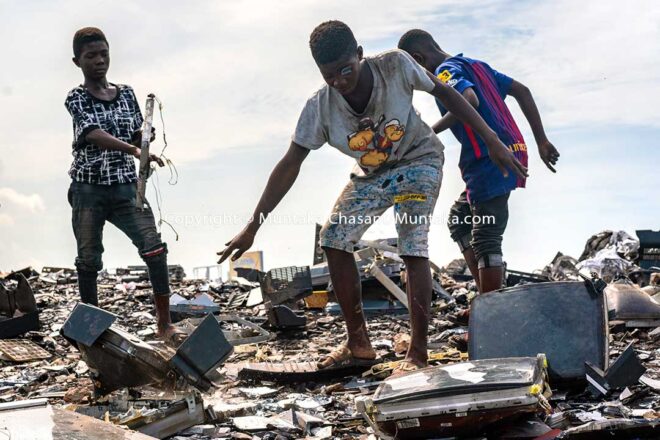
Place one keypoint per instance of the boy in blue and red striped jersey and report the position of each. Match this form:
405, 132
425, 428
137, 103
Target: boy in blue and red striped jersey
487, 185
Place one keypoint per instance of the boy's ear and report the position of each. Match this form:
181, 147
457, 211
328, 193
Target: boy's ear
360, 52
418, 57
75, 61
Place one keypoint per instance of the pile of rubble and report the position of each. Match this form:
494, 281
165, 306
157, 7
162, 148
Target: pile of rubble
554, 355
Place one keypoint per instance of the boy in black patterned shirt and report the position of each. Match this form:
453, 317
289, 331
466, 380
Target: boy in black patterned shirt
106, 138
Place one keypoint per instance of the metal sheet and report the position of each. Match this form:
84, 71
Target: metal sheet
238, 338
57, 424
296, 372
22, 350
171, 420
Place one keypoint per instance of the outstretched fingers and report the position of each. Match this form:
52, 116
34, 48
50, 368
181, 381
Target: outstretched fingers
549, 163
518, 168
509, 163
226, 252
234, 246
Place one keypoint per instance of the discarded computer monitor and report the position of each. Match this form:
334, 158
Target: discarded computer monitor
281, 288
456, 400
18, 308
118, 359
565, 320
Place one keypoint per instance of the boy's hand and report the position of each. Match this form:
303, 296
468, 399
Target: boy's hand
137, 137
241, 243
152, 157
158, 160
504, 158
549, 154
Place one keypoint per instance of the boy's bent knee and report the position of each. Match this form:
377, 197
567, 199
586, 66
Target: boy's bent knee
464, 242
158, 251
336, 244
412, 261
487, 248
490, 260
336, 252
89, 264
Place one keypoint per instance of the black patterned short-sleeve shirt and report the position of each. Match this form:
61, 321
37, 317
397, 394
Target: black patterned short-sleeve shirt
121, 118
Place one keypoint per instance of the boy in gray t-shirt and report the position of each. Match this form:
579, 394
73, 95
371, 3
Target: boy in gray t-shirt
365, 111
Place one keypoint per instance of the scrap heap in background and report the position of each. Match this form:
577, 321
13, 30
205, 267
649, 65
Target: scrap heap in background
572, 351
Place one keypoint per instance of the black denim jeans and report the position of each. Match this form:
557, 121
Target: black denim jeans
484, 237
93, 205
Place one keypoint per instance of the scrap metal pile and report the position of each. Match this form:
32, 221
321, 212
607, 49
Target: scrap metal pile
553, 355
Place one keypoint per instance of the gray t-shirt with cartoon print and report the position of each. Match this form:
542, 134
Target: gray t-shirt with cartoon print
390, 130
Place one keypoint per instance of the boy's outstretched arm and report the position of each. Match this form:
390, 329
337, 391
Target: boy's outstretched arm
448, 119
106, 141
523, 95
279, 183
456, 104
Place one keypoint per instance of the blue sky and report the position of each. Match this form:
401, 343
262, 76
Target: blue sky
234, 77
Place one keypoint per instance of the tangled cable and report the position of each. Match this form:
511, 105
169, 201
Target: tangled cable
174, 174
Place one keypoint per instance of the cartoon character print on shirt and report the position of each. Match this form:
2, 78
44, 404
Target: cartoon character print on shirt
377, 145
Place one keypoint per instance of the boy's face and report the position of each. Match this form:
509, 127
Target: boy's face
343, 74
423, 56
94, 59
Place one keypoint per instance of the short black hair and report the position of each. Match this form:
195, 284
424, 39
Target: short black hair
330, 41
412, 39
87, 35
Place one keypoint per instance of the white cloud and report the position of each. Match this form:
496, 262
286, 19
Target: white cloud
236, 74
31, 202
6, 220
590, 62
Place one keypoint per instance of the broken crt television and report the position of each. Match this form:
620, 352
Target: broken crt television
458, 399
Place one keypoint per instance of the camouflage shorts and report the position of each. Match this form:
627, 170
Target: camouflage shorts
411, 188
